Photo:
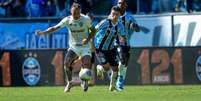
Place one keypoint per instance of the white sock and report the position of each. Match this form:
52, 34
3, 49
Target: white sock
122, 70
113, 78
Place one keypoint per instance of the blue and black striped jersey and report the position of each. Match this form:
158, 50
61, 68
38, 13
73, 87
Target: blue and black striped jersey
127, 20
107, 33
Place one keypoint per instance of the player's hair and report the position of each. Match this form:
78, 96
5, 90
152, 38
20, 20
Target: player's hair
125, 1
75, 5
116, 8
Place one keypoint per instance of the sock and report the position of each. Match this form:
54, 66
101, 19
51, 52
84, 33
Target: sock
109, 73
121, 76
122, 70
68, 73
113, 78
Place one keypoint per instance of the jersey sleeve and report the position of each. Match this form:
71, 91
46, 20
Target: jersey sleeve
132, 19
63, 22
103, 24
121, 30
88, 22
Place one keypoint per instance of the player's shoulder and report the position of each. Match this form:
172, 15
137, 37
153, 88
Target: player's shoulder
85, 17
103, 22
129, 15
67, 18
106, 20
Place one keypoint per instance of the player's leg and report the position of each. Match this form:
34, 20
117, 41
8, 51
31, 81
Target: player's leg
113, 77
112, 59
93, 68
69, 58
124, 57
103, 64
86, 63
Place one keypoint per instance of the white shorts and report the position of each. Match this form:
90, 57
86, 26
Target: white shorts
81, 51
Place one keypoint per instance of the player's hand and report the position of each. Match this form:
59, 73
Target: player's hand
84, 41
135, 27
38, 32
121, 39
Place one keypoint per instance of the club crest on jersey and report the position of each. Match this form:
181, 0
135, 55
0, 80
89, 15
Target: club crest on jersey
80, 24
31, 70
198, 68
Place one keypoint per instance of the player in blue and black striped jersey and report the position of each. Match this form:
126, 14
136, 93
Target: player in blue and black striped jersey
107, 32
130, 25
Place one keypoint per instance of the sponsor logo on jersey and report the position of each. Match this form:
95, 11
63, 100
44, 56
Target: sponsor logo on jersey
78, 31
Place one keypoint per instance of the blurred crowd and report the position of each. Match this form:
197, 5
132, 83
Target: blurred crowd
60, 8
166, 6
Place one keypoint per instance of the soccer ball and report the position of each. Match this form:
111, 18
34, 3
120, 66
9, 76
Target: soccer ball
85, 74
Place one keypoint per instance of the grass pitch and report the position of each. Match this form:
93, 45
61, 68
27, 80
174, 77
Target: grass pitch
101, 93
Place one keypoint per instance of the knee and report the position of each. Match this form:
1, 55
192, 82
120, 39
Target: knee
114, 68
106, 67
86, 62
123, 62
67, 63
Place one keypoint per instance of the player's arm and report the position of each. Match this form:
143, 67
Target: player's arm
121, 33
61, 24
48, 30
92, 31
91, 35
134, 25
121, 39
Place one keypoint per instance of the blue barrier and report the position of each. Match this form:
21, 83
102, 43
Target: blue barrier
156, 31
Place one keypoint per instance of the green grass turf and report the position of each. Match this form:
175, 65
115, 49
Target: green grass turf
101, 93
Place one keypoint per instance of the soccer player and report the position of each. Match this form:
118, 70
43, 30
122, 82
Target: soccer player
78, 26
130, 25
107, 31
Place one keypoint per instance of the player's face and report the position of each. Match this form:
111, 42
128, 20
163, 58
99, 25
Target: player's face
75, 12
115, 15
122, 4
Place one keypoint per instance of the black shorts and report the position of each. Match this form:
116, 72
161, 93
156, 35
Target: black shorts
70, 57
124, 54
93, 57
109, 56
